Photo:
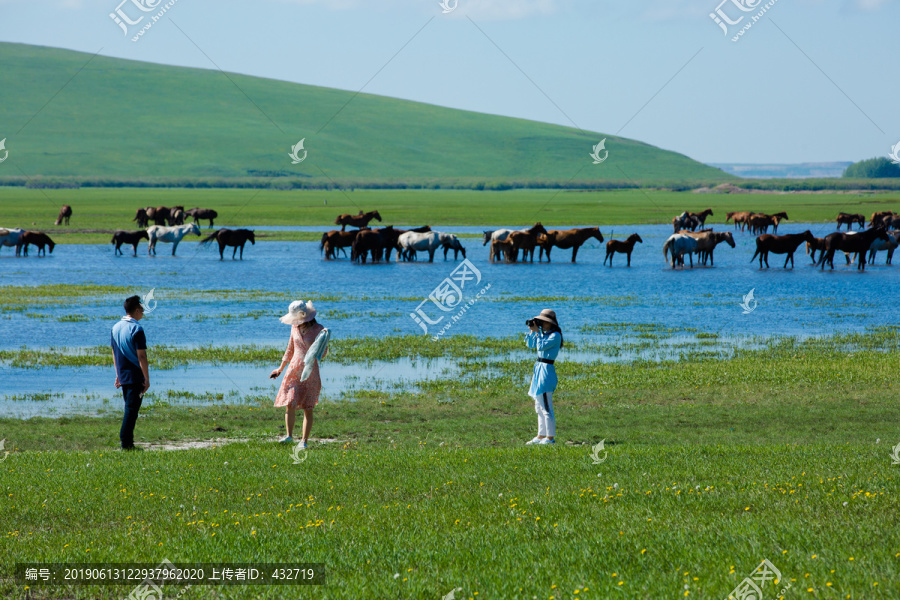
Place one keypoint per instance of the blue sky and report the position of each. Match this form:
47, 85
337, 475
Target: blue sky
810, 80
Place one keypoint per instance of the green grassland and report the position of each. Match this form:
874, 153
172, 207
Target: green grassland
126, 118
105, 210
709, 467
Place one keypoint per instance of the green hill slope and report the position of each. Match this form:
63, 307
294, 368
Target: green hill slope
126, 119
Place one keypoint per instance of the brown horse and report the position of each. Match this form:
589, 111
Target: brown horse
567, 238
128, 237
848, 220
626, 247
878, 218
504, 248
780, 244
858, 243
817, 244
707, 240
337, 240
701, 216
200, 214
141, 217
176, 216
526, 241
741, 218
359, 220
64, 213
160, 214
374, 242
41, 240
231, 237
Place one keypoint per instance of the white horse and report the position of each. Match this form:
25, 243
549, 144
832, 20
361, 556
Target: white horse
890, 245
680, 244
171, 235
412, 242
451, 242
10, 237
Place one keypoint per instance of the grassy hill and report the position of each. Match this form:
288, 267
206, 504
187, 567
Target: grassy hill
126, 119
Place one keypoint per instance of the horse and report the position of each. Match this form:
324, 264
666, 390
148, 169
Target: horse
141, 217
701, 216
894, 223
890, 245
707, 241
848, 220
685, 220
741, 218
812, 246
230, 237
64, 213
128, 237
413, 242
526, 241
568, 238
374, 241
357, 220
176, 216
41, 240
10, 238
504, 247
160, 215
857, 243
391, 237
680, 244
878, 218
487, 237
172, 235
202, 214
626, 247
451, 242
780, 244
337, 240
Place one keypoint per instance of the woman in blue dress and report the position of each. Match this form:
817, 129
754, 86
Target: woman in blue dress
546, 337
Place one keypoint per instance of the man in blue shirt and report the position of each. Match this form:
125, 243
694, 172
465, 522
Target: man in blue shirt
129, 346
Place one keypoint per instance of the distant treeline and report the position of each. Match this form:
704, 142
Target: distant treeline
289, 183
879, 167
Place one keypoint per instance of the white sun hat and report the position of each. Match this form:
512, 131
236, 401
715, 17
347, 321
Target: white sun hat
299, 312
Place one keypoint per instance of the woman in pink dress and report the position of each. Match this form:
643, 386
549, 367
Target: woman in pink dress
294, 392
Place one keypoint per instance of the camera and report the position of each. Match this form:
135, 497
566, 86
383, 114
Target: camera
530, 323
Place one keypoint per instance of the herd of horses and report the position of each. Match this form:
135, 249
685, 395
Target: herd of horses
511, 245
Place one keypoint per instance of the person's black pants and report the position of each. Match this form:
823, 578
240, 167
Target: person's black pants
132, 395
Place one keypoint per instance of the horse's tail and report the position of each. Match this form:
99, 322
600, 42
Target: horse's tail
113, 240
322, 243
209, 238
666, 249
755, 254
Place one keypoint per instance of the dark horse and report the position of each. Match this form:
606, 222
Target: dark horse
848, 220
38, 239
626, 247
568, 238
160, 214
378, 242
526, 240
231, 237
853, 243
141, 218
64, 213
359, 220
780, 244
202, 214
128, 237
337, 240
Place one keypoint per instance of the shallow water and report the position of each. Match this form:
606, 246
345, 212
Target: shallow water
378, 299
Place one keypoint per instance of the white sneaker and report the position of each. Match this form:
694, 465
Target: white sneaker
286, 440
546, 441
536, 440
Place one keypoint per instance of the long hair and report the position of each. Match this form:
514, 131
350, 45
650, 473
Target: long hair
304, 326
555, 328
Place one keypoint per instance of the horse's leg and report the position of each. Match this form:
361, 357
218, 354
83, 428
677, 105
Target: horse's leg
446, 248
233, 254
175, 246
575, 251
431, 252
343, 227
221, 249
